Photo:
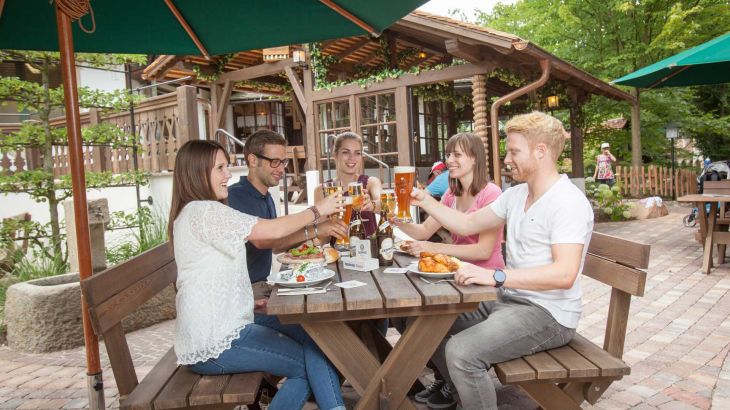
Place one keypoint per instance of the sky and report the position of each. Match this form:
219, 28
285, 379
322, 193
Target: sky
442, 7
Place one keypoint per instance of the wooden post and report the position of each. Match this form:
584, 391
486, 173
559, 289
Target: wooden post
187, 114
481, 116
636, 130
403, 131
78, 182
577, 99
310, 139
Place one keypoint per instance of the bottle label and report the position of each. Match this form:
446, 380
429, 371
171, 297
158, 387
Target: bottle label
384, 226
355, 222
386, 249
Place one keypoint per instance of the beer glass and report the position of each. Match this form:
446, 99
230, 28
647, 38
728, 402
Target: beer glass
344, 243
405, 177
355, 191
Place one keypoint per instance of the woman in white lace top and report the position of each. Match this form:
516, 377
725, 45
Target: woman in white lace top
214, 332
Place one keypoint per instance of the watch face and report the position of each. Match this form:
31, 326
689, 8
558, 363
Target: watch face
499, 276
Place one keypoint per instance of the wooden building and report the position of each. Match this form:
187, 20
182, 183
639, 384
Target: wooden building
406, 92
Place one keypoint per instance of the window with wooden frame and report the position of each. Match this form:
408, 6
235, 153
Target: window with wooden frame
333, 117
378, 126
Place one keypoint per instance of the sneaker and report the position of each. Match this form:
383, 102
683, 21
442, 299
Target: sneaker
423, 395
442, 399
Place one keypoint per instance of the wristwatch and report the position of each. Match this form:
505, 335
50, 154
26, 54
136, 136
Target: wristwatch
499, 278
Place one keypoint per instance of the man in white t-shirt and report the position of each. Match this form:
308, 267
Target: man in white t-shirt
549, 223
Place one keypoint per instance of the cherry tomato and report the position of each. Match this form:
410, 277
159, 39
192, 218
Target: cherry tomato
301, 278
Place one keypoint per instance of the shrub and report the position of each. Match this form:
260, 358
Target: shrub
152, 231
608, 200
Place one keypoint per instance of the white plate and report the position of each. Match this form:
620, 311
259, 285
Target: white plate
430, 275
292, 283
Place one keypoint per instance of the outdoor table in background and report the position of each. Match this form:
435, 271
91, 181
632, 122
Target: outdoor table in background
325, 316
708, 224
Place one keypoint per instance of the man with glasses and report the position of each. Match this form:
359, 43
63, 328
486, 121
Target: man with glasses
265, 153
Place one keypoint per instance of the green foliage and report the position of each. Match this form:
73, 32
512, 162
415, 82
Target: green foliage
39, 183
612, 38
152, 232
39, 266
608, 200
442, 92
218, 67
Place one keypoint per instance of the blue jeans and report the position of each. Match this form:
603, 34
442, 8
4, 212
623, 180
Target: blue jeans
322, 376
259, 348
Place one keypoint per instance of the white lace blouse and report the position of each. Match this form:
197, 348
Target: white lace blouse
214, 295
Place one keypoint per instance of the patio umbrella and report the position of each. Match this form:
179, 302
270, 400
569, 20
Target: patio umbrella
707, 63
169, 27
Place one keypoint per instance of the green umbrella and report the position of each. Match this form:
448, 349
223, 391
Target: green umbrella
222, 26
708, 63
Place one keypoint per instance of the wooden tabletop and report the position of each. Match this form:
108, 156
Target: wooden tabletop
385, 295
704, 198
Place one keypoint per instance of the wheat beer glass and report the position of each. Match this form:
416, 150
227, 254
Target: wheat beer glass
405, 177
355, 190
344, 243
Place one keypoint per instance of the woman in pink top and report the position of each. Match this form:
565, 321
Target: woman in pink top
469, 190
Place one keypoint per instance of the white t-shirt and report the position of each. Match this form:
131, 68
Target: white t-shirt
214, 295
561, 215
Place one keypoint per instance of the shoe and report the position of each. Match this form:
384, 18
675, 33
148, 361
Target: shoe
423, 395
442, 399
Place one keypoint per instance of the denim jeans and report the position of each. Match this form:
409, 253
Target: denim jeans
323, 378
260, 348
498, 331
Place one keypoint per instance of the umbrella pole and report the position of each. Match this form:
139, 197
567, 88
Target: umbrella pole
73, 127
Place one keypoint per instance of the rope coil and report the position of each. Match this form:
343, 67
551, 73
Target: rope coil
76, 9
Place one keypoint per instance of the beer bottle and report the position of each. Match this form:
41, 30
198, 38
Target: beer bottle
359, 243
384, 236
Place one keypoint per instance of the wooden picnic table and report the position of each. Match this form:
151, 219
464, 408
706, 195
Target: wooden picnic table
328, 318
708, 224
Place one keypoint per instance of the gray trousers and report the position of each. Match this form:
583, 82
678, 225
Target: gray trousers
498, 331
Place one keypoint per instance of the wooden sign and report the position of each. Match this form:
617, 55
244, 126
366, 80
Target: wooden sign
276, 53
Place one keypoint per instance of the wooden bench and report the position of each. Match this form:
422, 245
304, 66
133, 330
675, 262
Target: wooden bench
563, 378
114, 294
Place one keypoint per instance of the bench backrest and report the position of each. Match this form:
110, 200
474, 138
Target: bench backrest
617, 263
115, 293
716, 187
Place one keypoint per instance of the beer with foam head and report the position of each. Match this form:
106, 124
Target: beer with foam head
405, 178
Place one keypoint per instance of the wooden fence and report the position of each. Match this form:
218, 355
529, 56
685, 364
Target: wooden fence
656, 181
162, 125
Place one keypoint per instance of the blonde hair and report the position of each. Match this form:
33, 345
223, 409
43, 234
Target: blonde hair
538, 127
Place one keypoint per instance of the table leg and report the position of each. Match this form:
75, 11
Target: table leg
702, 219
707, 256
406, 361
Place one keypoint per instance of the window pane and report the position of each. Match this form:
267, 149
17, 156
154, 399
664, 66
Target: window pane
341, 111
324, 123
368, 113
386, 107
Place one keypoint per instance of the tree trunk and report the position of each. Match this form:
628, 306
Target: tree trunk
48, 163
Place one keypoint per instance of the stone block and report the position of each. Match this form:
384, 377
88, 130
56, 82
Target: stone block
44, 315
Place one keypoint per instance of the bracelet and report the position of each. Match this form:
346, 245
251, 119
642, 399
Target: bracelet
316, 232
315, 211
306, 234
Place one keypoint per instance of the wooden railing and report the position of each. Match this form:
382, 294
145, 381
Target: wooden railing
162, 125
651, 180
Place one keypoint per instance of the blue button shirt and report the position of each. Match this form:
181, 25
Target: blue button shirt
244, 197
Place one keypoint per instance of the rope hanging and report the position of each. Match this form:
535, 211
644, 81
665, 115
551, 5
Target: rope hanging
77, 9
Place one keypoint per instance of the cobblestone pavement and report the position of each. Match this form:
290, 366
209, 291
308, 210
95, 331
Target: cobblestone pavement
677, 343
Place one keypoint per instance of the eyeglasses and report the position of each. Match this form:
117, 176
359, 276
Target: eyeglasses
274, 162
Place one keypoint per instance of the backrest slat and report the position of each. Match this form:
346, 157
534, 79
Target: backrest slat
625, 252
111, 312
621, 277
716, 187
108, 283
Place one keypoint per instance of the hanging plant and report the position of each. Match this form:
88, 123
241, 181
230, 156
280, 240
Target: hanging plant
218, 67
442, 92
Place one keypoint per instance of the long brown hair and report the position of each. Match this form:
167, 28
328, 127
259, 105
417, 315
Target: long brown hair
473, 147
191, 179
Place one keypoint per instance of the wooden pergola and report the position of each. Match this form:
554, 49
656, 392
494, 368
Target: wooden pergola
441, 42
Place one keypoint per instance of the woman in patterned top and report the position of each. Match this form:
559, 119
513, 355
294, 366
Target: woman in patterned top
215, 332
604, 172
